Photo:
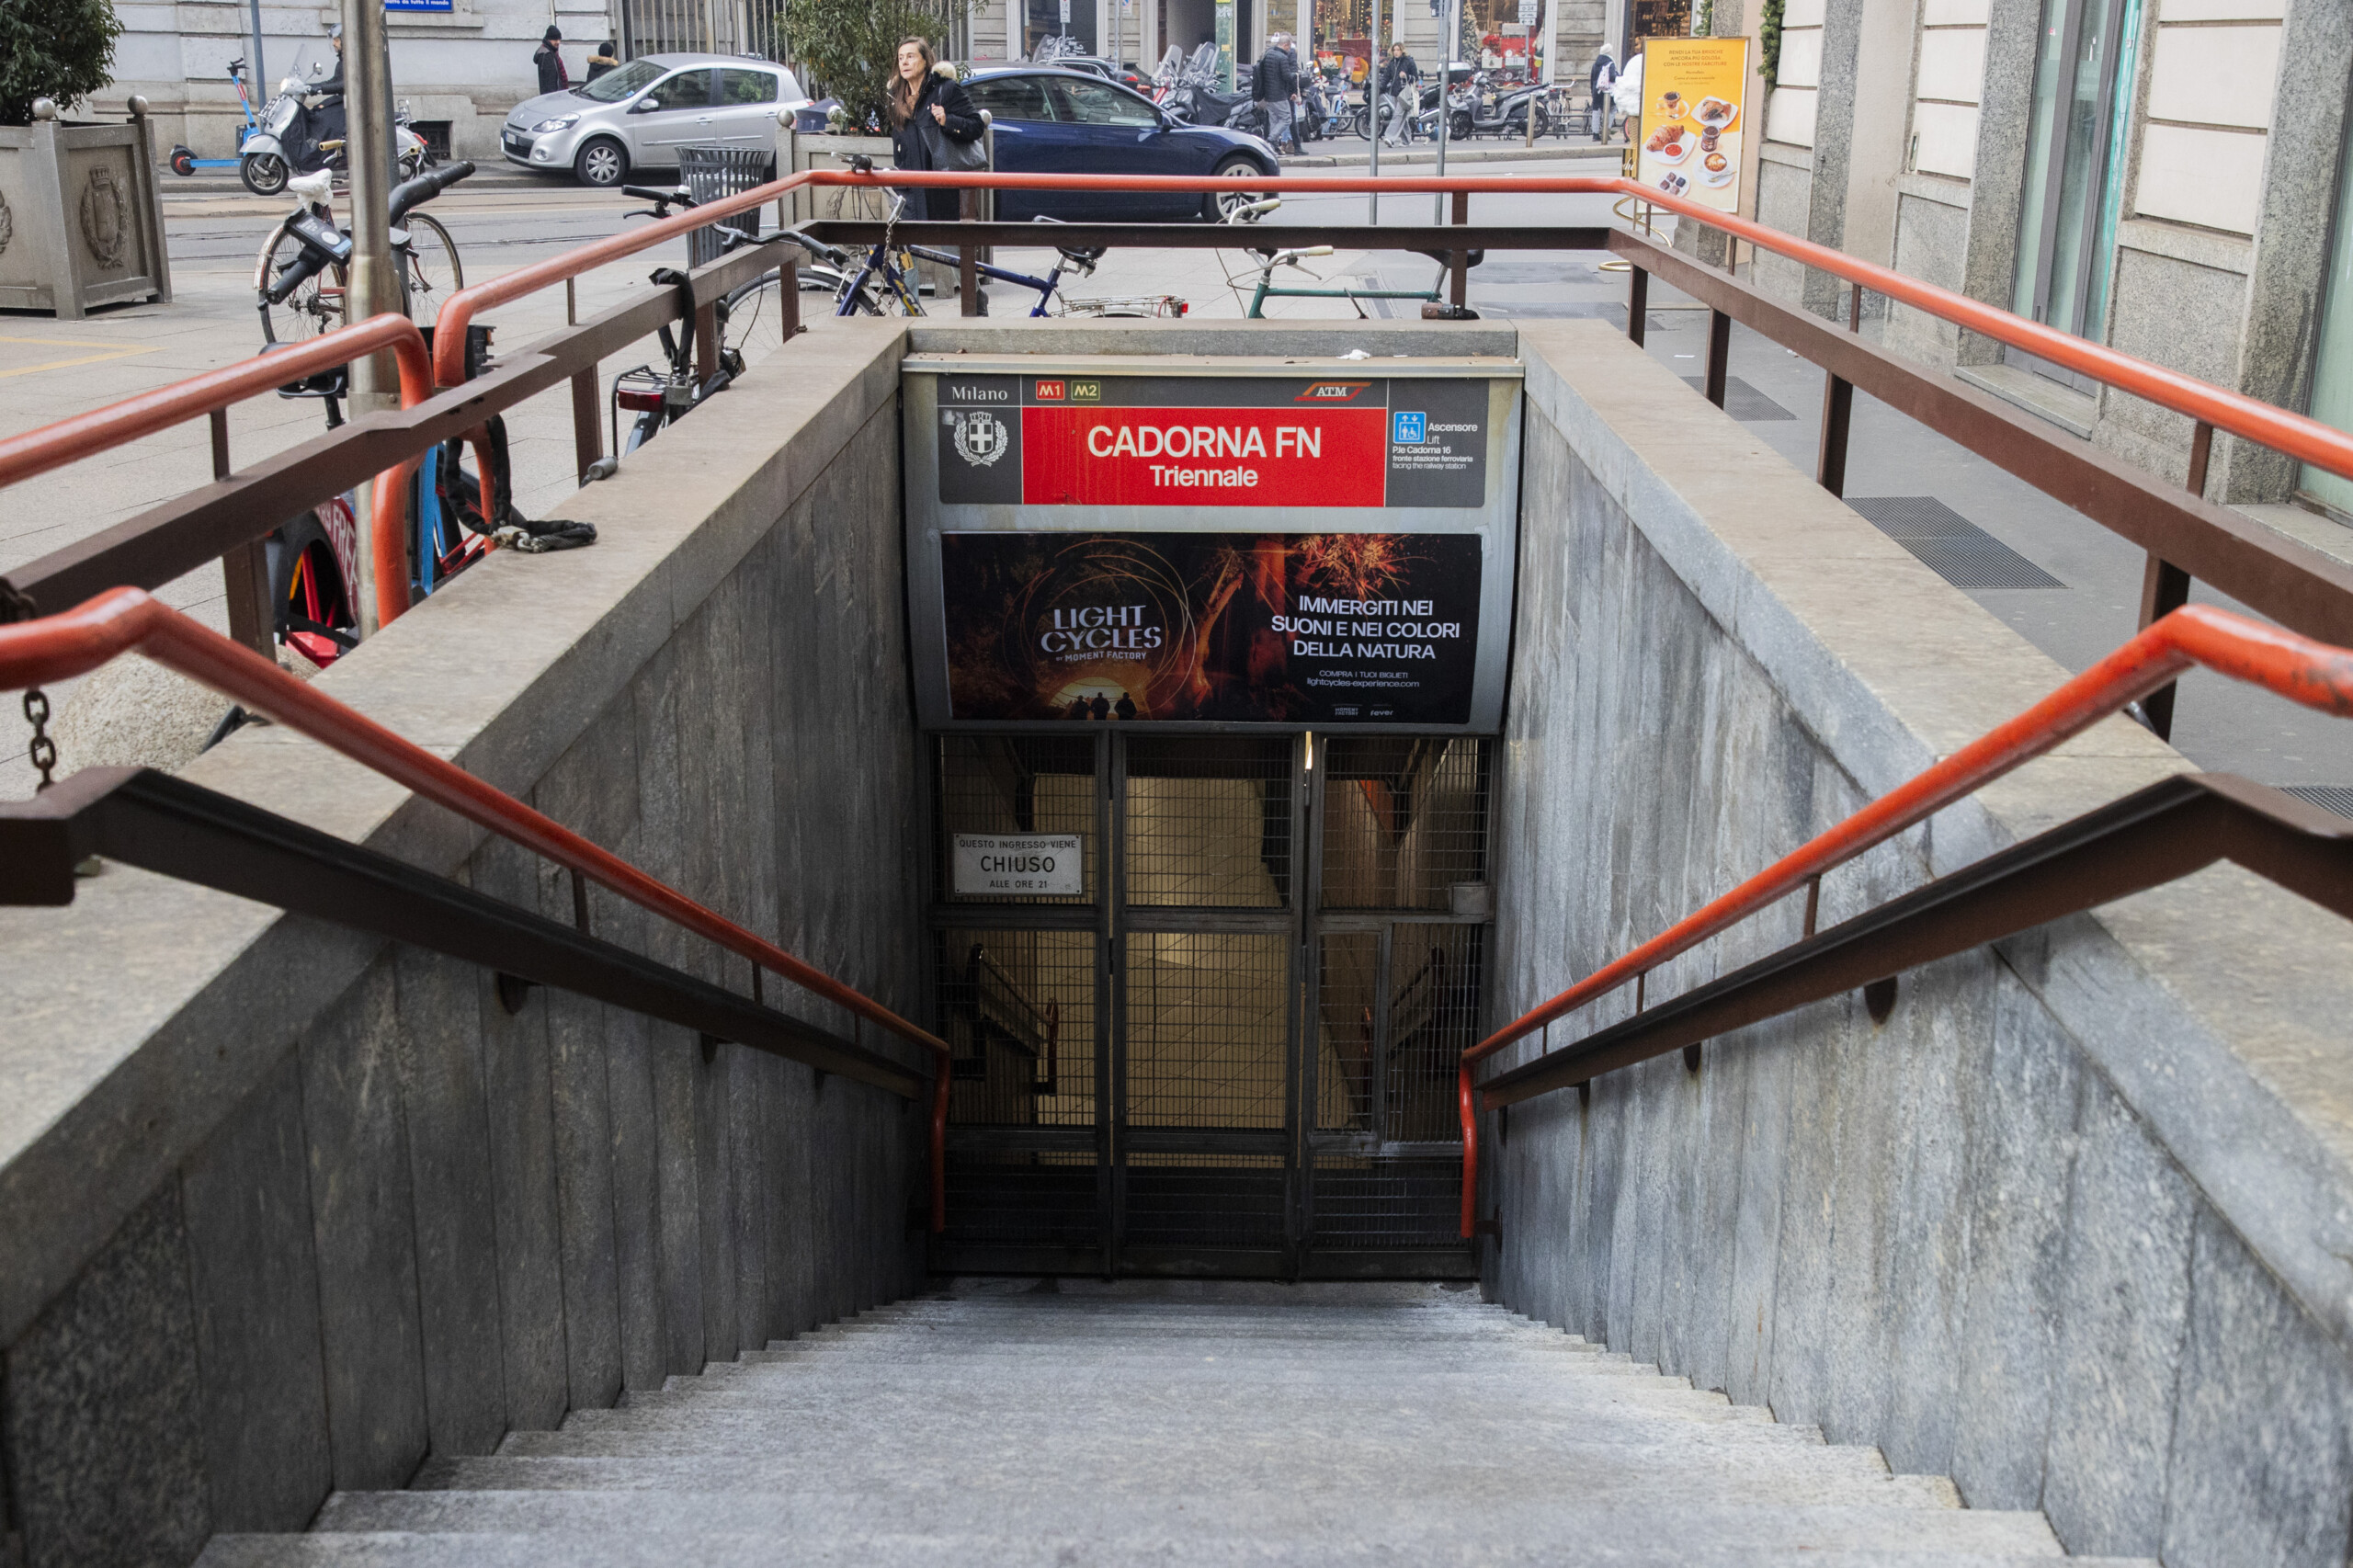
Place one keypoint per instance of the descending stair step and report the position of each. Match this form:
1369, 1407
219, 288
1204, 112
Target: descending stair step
1183, 1423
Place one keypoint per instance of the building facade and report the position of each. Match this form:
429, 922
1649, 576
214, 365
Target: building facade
458, 69
2166, 176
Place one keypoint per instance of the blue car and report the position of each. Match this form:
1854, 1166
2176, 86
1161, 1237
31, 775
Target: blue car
1055, 122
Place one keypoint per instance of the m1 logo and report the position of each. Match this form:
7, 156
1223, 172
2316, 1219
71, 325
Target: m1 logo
1050, 392
1409, 429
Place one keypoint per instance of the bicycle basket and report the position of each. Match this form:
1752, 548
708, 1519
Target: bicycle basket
710, 174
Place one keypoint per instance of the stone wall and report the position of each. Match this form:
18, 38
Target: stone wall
296, 1208
2072, 1225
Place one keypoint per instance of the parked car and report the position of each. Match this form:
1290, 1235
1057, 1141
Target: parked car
1054, 122
639, 115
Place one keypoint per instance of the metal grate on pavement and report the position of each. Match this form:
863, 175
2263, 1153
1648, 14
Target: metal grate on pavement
1950, 544
2337, 797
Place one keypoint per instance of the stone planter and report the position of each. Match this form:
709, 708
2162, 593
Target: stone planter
81, 220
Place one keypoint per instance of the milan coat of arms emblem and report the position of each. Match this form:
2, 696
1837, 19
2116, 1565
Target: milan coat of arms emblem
981, 436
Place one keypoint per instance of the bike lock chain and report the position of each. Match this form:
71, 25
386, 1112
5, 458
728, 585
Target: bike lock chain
42, 753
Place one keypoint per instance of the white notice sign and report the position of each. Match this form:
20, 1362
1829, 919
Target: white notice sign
1031, 865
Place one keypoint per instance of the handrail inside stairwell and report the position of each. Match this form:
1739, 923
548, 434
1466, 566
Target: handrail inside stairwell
2314, 674
119, 620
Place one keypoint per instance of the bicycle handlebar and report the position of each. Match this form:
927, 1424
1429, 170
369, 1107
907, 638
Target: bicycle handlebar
411, 194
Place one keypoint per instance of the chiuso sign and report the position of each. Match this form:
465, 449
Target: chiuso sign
1323, 548
1025, 865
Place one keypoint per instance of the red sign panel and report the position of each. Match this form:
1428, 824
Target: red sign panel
1302, 456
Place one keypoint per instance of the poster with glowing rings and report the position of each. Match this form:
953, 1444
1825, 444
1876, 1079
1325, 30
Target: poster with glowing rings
1284, 629
1095, 540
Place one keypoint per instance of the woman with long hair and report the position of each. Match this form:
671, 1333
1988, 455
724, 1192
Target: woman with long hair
928, 106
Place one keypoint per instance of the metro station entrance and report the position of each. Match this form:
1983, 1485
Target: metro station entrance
1230, 1047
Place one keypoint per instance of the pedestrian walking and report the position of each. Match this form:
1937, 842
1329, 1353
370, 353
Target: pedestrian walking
607, 57
1401, 89
1628, 95
1275, 83
932, 121
1605, 76
554, 77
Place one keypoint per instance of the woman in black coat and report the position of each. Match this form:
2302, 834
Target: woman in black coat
928, 103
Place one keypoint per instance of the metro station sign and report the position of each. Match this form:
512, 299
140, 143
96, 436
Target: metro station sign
1217, 548
1195, 441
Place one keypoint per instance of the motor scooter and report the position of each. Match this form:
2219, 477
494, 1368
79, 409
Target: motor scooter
298, 136
1196, 102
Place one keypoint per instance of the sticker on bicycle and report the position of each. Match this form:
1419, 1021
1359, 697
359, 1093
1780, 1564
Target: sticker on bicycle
1204, 441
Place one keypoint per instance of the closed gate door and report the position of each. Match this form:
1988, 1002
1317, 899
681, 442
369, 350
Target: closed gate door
1174, 1051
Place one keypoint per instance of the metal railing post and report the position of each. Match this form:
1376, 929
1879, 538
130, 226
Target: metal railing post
968, 272
1837, 412
2164, 588
1638, 304
787, 297
245, 568
1459, 260
1718, 356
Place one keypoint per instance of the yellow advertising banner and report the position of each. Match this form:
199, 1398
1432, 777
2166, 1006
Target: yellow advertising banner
1694, 116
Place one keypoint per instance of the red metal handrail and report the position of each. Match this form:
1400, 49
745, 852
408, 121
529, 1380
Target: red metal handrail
79, 436
60, 646
2316, 674
2297, 436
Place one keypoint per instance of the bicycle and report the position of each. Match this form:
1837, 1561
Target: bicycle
1435, 305
303, 269
883, 282
664, 397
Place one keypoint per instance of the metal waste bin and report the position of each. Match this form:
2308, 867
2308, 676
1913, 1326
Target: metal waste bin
710, 174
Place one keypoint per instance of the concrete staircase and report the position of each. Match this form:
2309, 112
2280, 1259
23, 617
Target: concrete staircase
1193, 1424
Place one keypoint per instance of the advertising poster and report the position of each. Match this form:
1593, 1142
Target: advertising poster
1198, 442
1246, 627
1695, 117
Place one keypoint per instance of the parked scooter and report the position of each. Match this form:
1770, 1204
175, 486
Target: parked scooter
1482, 108
1197, 100
297, 136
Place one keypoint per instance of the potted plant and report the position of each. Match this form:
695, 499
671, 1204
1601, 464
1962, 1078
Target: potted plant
81, 219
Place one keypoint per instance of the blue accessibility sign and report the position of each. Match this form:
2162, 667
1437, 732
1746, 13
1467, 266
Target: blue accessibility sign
1410, 428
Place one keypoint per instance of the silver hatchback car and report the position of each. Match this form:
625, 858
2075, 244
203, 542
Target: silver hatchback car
639, 115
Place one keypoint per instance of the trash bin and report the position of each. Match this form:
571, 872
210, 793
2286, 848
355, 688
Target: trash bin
710, 174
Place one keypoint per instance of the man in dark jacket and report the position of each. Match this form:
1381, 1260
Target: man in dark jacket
554, 77
1275, 83
1605, 76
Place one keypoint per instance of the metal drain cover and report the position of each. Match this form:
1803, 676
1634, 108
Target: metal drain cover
1950, 544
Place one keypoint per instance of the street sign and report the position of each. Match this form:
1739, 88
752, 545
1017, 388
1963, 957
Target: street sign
1019, 865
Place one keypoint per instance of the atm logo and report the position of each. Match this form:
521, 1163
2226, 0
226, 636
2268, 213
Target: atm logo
1332, 391
1050, 392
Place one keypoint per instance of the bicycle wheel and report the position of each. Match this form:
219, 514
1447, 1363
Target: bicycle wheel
433, 270
316, 304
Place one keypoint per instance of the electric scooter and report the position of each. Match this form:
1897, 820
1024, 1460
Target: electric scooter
183, 159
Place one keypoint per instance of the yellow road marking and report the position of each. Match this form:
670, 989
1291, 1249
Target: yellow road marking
112, 352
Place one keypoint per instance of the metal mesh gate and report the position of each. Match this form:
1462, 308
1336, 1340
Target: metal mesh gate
1233, 1051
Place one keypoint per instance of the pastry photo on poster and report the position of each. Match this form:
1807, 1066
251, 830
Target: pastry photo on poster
1231, 628
1695, 118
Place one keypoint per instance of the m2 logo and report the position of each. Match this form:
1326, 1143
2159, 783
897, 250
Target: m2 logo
1409, 429
1332, 391
1087, 392
1050, 392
